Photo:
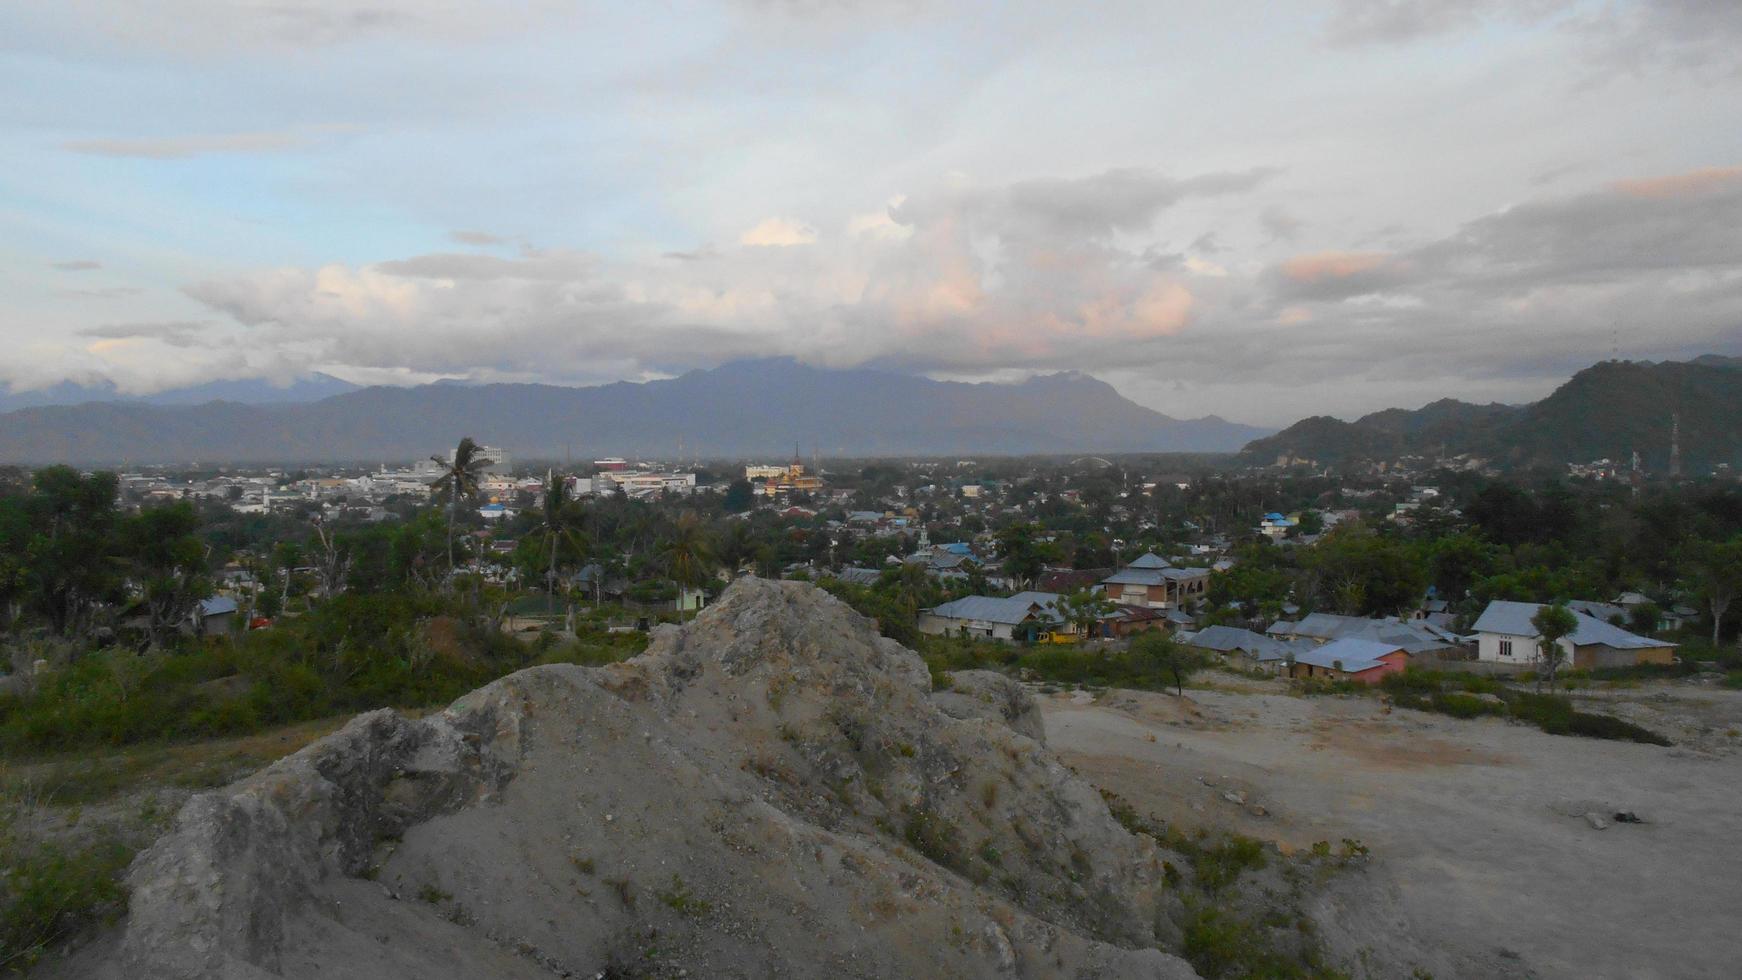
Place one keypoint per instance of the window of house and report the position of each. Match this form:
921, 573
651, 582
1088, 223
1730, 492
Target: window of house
1506, 648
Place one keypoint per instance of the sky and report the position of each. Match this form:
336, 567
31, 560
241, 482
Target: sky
1261, 210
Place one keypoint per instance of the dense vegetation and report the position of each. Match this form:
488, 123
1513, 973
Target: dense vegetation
1607, 411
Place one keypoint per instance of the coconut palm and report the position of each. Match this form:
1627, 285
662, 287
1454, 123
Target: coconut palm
688, 554
559, 529
459, 481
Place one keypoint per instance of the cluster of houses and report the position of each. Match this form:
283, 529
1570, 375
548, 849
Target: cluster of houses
1149, 593
1364, 650
1152, 593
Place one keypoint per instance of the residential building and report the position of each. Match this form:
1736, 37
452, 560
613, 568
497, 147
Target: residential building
1024, 616
1505, 634
1275, 526
1153, 581
1350, 659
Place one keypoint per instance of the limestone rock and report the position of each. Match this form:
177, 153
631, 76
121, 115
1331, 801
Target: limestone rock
770, 791
989, 694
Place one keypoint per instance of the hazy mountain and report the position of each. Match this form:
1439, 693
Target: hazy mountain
1609, 410
246, 391
749, 408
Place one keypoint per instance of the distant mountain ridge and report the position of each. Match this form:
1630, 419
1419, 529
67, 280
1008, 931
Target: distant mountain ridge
747, 408
245, 391
1609, 410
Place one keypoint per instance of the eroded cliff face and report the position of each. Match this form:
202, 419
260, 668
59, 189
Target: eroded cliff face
771, 790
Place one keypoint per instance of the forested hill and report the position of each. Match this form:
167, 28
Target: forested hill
1609, 410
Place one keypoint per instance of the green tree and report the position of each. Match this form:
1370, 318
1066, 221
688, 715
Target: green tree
70, 566
1023, 552
558, 534
687, 553
1165, 654
1359, 573
1714, 571
1552, 624
1084, 608
458, 483
167, 562
740, 496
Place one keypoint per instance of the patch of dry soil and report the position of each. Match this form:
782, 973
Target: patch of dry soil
1482, 859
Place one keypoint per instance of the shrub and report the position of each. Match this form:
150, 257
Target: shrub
48, 892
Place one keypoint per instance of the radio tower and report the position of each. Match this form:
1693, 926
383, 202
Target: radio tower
1675, 446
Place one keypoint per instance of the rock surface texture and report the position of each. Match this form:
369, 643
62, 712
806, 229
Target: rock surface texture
770, 791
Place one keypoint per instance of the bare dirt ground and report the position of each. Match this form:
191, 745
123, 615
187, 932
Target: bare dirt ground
1483, 862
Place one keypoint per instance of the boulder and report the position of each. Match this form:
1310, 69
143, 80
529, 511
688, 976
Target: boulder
770, 791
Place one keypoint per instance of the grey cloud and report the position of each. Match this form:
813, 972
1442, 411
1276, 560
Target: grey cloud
101, 292
1279, 224
477, 238
555, 266
1398, 21
1120, 200
970, 290
182, 147
78, 265
180, 333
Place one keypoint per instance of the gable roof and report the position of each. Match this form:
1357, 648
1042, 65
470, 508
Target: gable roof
1352, 653
1225, 639
1135, 576
1018, 608
217, 605
1605, 611
859, 576
1513, 619
1413, 637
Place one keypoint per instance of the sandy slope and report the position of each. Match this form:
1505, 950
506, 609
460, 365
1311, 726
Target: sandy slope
1477, 869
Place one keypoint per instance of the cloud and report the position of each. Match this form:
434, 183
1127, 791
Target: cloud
1710, 180
78, 265
778, 232
1030, 275
476, 238
102, 292
1692, 35
1358, 22
182, 147
1279, 224
179, 334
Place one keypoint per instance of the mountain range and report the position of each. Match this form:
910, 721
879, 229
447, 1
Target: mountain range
1607, 411
246, 391
747, 408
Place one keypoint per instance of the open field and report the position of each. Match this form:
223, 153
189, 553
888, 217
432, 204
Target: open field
1483, 862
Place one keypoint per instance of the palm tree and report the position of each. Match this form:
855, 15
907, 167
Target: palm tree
688, 555
459, 480
559, 529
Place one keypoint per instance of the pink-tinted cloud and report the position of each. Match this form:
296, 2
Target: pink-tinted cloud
1702, 181
1321, 266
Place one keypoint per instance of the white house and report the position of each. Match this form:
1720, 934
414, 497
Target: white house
1504, 635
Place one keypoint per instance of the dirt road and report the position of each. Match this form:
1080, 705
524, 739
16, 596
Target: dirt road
1483, 862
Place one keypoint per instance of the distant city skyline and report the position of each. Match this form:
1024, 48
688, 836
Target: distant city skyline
1224, 208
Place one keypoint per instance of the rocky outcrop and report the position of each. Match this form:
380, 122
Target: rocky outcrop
771, 791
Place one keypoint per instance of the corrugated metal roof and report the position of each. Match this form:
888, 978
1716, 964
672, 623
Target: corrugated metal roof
1001, 609
1150, 559
1137, 576
1229, 638
1513, 619
1350, 654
